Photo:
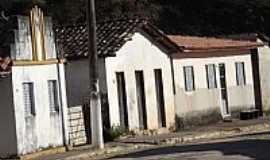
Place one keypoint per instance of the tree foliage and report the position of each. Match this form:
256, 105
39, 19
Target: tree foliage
193, 17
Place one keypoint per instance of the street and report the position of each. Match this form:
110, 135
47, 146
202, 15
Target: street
251, 147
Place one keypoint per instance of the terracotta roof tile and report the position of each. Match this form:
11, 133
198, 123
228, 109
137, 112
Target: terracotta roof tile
207, 43
111, 36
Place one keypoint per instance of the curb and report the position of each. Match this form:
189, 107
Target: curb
129, 147
228, 133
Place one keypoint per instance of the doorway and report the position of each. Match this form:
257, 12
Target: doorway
223, 89
141, 99
160, 98
122, 99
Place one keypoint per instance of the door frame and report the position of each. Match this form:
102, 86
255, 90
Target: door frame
225, 112
160, 99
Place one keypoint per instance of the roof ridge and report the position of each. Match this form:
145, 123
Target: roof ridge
142, 20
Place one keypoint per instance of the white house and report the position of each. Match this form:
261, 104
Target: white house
263, 62
261, 57
213, 79
135, 72
33, 95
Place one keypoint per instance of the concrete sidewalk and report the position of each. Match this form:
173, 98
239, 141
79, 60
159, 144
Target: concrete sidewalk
129, 144
218, 130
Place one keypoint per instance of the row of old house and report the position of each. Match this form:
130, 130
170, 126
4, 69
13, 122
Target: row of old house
148, 80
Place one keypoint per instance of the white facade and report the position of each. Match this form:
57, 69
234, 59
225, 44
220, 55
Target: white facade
204, 104
45, 128
34, 93
264, 68
140, 54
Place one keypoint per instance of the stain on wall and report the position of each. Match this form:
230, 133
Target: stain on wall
44, 129
202, 105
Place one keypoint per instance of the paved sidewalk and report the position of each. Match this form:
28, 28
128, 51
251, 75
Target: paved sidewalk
218, 130
215, 131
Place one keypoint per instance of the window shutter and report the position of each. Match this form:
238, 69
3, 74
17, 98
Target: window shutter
240, 73
28, 96
189, 78
53, 96
211, 76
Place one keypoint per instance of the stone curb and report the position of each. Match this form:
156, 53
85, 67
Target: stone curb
225, 133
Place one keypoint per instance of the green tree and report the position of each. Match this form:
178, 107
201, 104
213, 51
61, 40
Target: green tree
192, 17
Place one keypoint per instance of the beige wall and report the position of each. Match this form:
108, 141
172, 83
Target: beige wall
203, 100
140, 54
264, 64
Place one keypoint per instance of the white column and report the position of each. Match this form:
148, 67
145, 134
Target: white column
64, 101
96, 121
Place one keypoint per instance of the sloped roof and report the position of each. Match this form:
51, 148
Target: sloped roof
197, 44
249, 37
111, 36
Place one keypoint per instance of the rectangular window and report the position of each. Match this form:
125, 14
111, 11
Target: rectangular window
240, 73
28, 98
189, 78
53, 96
211, 76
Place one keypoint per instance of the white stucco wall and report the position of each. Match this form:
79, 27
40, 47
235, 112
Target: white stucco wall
264, 65
203, 100
140, 54
8, 142
45, 128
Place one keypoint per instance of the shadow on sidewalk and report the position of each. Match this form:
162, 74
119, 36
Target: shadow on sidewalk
255, 149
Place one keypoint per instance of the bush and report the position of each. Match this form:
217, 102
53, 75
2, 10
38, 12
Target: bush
113, 133
267, 113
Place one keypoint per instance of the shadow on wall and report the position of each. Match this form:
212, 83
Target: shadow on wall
253, 149
197, 118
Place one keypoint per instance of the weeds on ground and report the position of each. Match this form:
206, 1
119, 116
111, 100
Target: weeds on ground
113, 133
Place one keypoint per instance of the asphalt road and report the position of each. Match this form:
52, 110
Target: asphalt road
252, 147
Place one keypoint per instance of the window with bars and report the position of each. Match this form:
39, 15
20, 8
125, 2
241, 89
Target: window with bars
53, 96
28, 97
240, 73
189, 78
211, 76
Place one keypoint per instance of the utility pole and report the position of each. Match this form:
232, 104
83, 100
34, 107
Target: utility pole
95, 103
